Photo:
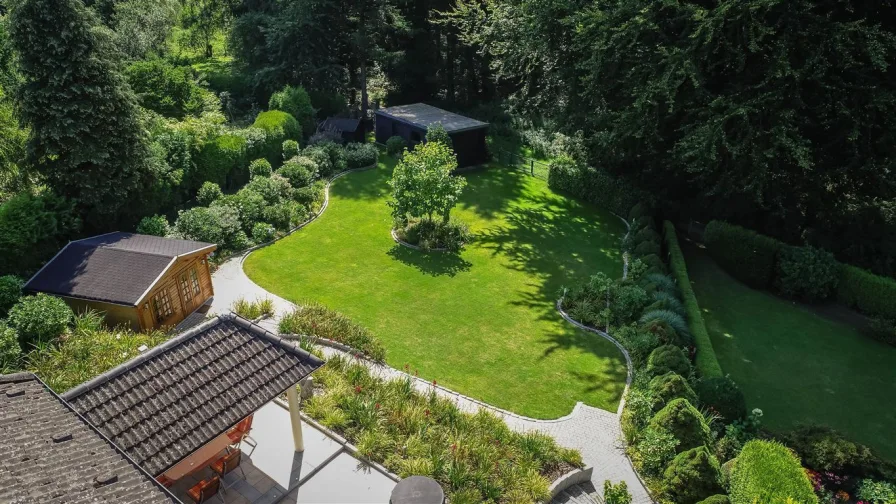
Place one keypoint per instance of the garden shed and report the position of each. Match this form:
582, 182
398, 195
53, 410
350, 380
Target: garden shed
411, 122
140, 281
351, 130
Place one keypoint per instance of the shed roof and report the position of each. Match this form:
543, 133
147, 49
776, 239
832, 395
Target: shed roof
167, 403
50, 453
116, 267
424, 116
341, 124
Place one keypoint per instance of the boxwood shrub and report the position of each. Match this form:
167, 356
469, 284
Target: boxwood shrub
278, 126
395, 145
766, 471
745, 254
691, 476
681, 419
706, 361
668, 358
806, 273
358, 155
665, 388
39, 319
866, 291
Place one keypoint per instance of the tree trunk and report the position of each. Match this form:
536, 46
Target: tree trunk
364, 102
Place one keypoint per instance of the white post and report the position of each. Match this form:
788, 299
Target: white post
293, 398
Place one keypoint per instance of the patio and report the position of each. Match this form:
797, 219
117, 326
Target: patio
273, 471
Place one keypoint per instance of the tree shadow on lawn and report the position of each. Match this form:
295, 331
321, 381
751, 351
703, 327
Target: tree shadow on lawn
609, 378
430, 263
492, 190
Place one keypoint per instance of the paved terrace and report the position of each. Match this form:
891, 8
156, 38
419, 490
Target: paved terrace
272, 472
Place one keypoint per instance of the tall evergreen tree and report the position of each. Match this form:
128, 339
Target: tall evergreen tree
86, 139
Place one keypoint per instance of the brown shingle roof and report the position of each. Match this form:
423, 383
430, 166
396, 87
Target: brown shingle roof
116, 267
50, 453
424, 116
168, 402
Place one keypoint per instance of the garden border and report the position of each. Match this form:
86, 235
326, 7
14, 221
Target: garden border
412, 246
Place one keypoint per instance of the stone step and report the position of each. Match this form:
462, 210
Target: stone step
578, 494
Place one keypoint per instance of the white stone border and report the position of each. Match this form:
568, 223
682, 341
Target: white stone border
574, 477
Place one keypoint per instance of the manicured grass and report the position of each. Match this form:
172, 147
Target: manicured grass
796, 365
482, 322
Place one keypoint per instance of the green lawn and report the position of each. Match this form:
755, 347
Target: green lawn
483, 322
795, 365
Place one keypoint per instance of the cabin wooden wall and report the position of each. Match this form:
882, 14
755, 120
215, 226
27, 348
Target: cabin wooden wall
170, 282
116, 315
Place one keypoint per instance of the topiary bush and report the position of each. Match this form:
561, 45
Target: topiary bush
209, 193
10, 292
681, 419
638, 211
654, 264
646, 235
39, 319
260, 168
278, 127
806, 273
395, 145
668, 387
296, 102
722, 395
290, 149
766, 471
10, 350
647, 248
358, 155
746, 255
154, 225
668, 358
298, 171
691, 476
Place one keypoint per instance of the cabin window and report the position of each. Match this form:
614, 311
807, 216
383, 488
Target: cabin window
194, 279
161, 305
185, 288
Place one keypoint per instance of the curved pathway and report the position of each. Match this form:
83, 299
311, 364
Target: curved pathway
596, 433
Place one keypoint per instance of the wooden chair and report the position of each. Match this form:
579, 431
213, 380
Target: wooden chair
227, 464
205, 490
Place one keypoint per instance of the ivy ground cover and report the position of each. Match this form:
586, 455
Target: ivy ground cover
795, 365
481, 322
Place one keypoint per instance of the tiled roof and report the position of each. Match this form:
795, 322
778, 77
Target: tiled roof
115, 267
168, 402
424, 116
51, 454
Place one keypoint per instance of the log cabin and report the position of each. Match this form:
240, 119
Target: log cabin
138, 281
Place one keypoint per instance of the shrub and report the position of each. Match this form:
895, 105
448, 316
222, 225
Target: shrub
360, 155
715, 499
10, 292
310, 197
665, 388
282, 215
32, 230
429, 234
706, 360
674, 320
290, 149
395, 145
209, 193
681, 419
645, 222
169, 90
299, 171
723, 396
654, 264
664, 301
437, 133
691, 476
646, 248
668, 358
766, 471
882, 329
654, 449
661, 283
746, 255
273, 189
825, 449
806, 273
877, 492
155, 225
866, 291
218, 224
278, 126
646, 235
638, 211
220, 159
247, 203
39, 319
616, 494
593, 185
260, 168
336, 155
321, 159
637, 341
296, 102
10, 350
262, 232
251, 310
316, 320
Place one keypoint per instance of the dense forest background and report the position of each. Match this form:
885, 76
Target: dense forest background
775, 114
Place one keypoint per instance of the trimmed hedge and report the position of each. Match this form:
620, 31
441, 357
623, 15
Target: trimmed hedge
594, 185
278, 127
866, 291
707, 363
746, 255
766, 471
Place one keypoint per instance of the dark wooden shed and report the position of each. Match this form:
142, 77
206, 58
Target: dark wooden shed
351, 130
412, 121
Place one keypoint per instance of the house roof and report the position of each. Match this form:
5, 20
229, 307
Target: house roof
115, 268
424, 116
51, 453
170, 401
341, 124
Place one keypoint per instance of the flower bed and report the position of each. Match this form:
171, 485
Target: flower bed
475, 457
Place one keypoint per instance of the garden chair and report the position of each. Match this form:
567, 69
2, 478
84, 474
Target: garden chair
226, 465
205, 490
240, 434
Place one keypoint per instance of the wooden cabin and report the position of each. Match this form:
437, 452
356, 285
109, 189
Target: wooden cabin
139, 281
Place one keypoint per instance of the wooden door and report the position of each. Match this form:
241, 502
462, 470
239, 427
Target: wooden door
187, 296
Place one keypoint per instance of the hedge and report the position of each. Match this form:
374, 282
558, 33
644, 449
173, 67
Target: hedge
707, 363
766, 471
594, 186
866, 291
745, 254
219, 160
278, 127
